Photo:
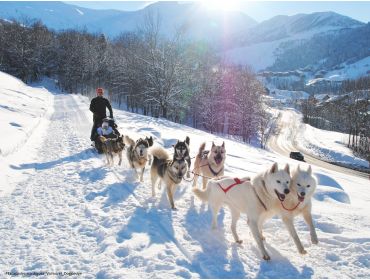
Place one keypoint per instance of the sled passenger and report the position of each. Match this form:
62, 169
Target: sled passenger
98, 107
106, 130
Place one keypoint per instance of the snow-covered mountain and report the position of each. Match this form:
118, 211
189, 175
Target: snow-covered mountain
64, 211
261, 44
200, 22
237, 37
280, 27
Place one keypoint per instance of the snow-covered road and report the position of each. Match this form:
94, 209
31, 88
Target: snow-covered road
291, 136
70, 213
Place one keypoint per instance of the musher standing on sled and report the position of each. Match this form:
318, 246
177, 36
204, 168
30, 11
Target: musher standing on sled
98, 107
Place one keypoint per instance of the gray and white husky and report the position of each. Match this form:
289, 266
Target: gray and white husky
137, 153
169, 171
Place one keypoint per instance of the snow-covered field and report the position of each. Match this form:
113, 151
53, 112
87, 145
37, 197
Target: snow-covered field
69, 212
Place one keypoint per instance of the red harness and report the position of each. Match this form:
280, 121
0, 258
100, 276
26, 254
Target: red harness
237, 182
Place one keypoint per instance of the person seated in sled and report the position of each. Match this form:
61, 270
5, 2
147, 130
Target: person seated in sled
106, 130
98, 107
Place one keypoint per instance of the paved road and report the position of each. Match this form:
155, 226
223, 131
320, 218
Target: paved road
283, 143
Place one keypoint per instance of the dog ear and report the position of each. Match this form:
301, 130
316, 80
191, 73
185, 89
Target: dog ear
274, 168
149, 140
309, 170
187, 140
286, 168
223, 144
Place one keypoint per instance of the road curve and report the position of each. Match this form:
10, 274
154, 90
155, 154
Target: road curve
282, 142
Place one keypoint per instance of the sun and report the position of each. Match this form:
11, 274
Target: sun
223, 5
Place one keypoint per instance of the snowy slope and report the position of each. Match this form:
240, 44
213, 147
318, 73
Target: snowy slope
346, 72
23, 111
71, 213
260, 45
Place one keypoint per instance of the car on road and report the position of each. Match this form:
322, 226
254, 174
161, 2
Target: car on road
296, 156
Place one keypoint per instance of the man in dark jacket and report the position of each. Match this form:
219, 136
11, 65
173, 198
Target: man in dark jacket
98, 107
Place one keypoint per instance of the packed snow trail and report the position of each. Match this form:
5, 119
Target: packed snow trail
73, 214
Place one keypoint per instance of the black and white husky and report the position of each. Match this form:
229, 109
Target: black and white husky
182, 152
169, 171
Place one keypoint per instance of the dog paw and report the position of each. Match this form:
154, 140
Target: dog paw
303, 252
239, 241
314, 241
174, 209
266, 257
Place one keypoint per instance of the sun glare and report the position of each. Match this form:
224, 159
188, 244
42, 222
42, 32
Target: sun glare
223, 5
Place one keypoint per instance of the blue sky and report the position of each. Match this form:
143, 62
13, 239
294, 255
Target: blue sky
259, 10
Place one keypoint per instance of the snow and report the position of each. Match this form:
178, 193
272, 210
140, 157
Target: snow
347, 72
24, 113
287, 96
71, 213
260, 56
324, 144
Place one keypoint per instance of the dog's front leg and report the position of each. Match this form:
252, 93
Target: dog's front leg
288, 221
205, 180
149, 159
257, 236
170, 196
136, 174
154, 178
235, 214
120, 158
215, 209
189, 164
308, 218
142, 174
107, 158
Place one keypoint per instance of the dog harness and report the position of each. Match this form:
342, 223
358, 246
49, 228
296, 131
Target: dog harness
237, 182
214, 172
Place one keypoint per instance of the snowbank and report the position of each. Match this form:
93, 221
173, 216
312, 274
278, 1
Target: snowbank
24, 111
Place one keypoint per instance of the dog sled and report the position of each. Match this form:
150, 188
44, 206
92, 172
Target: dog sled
96, 142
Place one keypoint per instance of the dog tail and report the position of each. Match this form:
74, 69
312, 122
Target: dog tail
159, 153
201, 149
187, 140
128, 141
203, 195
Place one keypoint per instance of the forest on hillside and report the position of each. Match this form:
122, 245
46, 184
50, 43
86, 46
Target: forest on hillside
186, 82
